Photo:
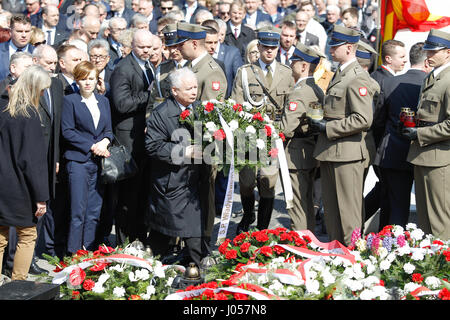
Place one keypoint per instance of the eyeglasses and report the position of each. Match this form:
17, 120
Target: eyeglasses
98, 57
166, 8
224, 13
254, 52
39, 43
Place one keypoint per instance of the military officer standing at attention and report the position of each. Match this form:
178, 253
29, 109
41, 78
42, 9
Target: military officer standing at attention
266, 85
341, 147
430, 148
300, 144
161, 90
212, 84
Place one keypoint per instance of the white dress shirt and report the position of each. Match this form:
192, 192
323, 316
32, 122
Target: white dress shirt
264, 68
92, 105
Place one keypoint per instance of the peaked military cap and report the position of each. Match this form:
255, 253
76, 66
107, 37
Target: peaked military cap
365, 50
437, 40
187, 31
341, 35
302, 52
170, 34
269, 36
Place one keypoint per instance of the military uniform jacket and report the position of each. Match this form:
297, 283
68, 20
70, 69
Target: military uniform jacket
348, 109
282, 85
161, 90
299, 147
211, 79
432, 147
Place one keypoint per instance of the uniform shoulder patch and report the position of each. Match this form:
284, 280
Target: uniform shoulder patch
216, 85
363, 91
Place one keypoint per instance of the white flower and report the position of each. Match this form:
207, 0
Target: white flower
353, 285
250, 129
312, 287
417, 255
211, 126
385, 265
409, 268
117, 268
370, 281
382, 252
361, 244
405, 250
276, 286
417, 234
328, 278
367, 294
119, 292
159, 272
169, 281
142, 274
247, 106
397, 230
233, 125
425, 243
370, 268
390, 257
260, 144
432, 282
381, 292
410, 226
263, 279
98, 288
232, 102
103, 278
208, 136
131, 277
151, 290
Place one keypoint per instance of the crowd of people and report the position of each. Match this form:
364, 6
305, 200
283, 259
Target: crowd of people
78, 76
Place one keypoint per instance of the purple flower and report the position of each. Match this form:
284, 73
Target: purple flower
387, 243
369, 240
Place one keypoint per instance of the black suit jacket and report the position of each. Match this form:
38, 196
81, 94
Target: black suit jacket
51, 124
67, 87
129, 98
245, 36
174, 186
399, 91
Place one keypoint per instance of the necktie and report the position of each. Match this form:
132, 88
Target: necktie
287, 58
49, 37
148, 71
47, 101
19, 49
236, 33
429, 79
179, 66
75, 87
269, 75
188, 64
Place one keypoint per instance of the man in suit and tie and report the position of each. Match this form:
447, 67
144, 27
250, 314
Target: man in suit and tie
303, 36
115, 27
68, 57
146, 8
61, 24
341, 147
287, 42
98, 51
50, 107
118, 9
254, 15
20, 26
278, 81
393, 58
50, 20
238, 35
429, 149
131, 83
190, 8
397, 174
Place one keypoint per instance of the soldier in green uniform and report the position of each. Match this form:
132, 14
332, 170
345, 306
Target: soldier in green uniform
212, 84
266, 85
341, 147
430, 148
300, 144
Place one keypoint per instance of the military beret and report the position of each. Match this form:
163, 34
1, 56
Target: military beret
437, 40
341, 35
364, 50
269, 36
302, 52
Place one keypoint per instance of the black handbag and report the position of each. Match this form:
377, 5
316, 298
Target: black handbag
119, 165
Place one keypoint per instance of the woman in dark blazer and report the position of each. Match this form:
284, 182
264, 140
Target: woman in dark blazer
86, 130
23, 167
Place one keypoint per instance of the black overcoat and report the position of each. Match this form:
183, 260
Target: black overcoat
23, 169
174, 200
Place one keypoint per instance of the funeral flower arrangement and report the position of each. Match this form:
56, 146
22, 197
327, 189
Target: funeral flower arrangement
252, 133
394, 264
127, 273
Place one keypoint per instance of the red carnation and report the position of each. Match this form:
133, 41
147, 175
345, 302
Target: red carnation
444, 294
60, 267
446, 253
279, 250
273, 153
258, 116
223, 247
240, 296
88, 284
105, 249
237, 107
75, 295
135, 297
77, 276
209, 107
417, 277
282, 136
267, 251
221, 296
186, 113
268, 130
244, 247
219, 135
231, 254
99, 266
261, 236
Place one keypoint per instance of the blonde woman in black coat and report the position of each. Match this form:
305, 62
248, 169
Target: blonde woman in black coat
23, 167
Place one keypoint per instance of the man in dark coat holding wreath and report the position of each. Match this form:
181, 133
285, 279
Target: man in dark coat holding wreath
174, 199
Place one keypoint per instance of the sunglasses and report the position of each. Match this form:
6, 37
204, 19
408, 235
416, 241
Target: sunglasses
39, 43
